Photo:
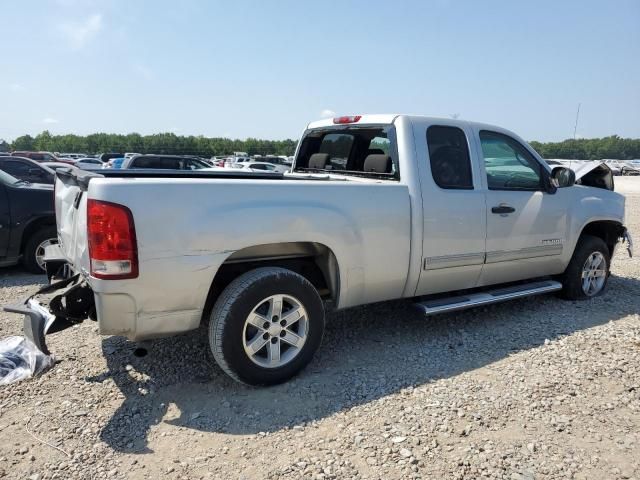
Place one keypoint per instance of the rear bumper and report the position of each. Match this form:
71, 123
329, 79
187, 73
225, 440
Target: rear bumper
65, 303
37, 322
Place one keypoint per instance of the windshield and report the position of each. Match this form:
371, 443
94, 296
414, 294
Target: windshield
368, 151
8, 179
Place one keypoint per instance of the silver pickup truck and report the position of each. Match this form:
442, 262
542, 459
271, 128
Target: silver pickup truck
451, 214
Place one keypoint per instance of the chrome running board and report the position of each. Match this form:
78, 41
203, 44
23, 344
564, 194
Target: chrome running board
450, 304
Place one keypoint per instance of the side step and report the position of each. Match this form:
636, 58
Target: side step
496, 295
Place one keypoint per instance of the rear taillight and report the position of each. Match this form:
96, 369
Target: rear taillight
112, 240
347, 119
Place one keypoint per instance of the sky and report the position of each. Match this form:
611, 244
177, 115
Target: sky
265, 69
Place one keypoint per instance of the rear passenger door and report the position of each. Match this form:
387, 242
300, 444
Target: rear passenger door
453, 204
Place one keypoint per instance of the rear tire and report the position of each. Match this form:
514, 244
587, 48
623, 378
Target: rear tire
266, 326
588, 271
34, 249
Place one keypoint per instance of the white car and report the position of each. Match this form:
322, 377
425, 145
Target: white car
616, 166
261, 167
631, 167
75, 156
88, 164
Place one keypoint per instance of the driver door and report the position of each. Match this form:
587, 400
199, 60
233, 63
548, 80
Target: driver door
526, 225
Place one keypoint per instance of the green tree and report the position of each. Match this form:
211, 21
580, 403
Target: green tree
25, 142
44, 141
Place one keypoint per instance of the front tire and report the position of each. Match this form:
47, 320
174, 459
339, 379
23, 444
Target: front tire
33, 254
588, 271
266, 326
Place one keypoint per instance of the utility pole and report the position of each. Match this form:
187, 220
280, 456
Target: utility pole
575, 127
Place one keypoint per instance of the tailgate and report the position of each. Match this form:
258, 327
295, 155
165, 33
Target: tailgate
71, 216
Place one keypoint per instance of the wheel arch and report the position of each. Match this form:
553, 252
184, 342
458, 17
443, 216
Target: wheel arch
314, 261
608, 230
34, 226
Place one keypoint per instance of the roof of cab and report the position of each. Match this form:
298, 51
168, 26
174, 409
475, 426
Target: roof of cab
388, 118
382, 119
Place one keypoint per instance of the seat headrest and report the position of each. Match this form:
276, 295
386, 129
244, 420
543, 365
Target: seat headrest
378, 163
318, 160
375, 151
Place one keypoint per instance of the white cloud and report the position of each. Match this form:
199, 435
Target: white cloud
50, 120
16, 87
326, 113
80, 33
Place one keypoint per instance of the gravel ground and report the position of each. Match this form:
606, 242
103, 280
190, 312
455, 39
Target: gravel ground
538, 388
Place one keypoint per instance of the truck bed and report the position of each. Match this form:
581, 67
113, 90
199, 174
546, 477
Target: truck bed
82, 177
188, 224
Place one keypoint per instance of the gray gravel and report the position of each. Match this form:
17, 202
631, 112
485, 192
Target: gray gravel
537, 388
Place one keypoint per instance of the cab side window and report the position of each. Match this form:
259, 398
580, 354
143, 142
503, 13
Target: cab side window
449, 157
509, 166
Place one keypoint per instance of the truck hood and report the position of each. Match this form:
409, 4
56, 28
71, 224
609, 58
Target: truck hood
591, 173
580, 167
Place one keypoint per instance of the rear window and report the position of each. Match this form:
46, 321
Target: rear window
363, 151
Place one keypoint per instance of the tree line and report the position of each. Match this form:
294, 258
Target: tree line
591, 148
583, 148
168, 143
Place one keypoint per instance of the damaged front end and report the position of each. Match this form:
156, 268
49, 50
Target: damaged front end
590, 173
63, 303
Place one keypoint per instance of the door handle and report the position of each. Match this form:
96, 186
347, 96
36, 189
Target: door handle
502, 209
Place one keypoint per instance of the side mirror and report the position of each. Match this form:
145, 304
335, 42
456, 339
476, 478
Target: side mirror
564, 177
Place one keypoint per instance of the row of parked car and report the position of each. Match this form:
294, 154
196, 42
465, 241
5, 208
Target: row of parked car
39, 167
624, 167
27, 216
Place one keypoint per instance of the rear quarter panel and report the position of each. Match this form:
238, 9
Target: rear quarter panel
186, 229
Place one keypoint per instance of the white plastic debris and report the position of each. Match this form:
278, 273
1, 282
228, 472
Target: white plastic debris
20, 359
